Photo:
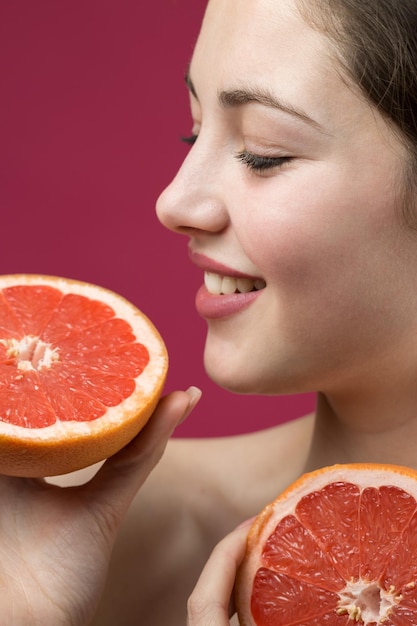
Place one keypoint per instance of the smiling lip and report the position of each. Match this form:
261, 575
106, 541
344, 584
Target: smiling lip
208, 265
218, 297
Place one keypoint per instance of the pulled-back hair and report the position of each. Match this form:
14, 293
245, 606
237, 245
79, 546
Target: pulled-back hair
376, 41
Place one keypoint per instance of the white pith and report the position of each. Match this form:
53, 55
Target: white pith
366, 603
30, 353
217, 284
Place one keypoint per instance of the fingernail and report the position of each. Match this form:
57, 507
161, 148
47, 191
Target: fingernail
194, 393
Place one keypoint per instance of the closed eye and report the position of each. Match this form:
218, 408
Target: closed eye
259, 163
254, 162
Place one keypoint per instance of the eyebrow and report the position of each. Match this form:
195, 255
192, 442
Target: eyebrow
238, 97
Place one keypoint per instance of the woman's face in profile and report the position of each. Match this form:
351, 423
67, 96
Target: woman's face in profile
293, 179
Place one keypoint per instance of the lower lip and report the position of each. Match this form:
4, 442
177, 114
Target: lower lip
212, 306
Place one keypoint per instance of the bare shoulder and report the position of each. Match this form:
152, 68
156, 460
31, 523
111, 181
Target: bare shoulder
201, 489
252, 469
221, 481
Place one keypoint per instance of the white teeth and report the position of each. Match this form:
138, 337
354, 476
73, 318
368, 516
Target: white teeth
213, 282
217, 284
244, 285
229, 285
260, 283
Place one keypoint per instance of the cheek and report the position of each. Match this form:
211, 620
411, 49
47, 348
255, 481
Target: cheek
302, 231
327, 256
295, 248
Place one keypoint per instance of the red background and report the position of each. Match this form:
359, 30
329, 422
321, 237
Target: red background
91, 111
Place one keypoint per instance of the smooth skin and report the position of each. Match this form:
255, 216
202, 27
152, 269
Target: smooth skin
320, 222
56, 543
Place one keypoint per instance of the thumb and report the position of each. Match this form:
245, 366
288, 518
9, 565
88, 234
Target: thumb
211, 601
119, 479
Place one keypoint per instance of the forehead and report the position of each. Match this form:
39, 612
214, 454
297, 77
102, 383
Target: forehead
267, 44
257, 35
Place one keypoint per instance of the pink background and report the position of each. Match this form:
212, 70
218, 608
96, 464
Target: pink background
91, 111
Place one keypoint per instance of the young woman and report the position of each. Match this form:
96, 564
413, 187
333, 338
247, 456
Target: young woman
298, 199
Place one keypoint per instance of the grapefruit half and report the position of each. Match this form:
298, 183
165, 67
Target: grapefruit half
81, 371
338, 547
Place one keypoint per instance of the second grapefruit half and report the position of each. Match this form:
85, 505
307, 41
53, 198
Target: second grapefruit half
337, 548
81, 371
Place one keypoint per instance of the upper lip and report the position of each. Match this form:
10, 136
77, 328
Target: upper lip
210, 265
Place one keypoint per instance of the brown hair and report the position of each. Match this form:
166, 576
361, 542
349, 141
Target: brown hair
376, 41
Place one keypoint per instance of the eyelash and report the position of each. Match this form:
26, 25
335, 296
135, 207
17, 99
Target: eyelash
252, 161
261, 163
190, 140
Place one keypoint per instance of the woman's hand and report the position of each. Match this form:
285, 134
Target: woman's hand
211, 603
55, 543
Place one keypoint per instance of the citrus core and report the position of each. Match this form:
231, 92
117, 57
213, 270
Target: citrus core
81, 371
338, 547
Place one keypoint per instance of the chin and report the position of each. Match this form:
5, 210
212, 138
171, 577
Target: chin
239, 388
228, 376
232, 375
237, 381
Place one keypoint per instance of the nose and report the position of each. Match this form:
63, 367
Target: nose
193, 202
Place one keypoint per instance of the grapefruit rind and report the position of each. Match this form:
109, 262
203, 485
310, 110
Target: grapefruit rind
72, 445
362, 474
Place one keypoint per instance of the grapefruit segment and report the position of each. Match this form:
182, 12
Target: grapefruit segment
295, 598
74, 314
378, 540
339, 546
401, 567
21, 298
405, 613
292, 550
23, 400
332, 516
9, 324
81, 370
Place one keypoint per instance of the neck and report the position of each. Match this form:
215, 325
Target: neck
373, 428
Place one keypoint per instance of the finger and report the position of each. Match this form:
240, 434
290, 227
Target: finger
211, 602
123, 474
